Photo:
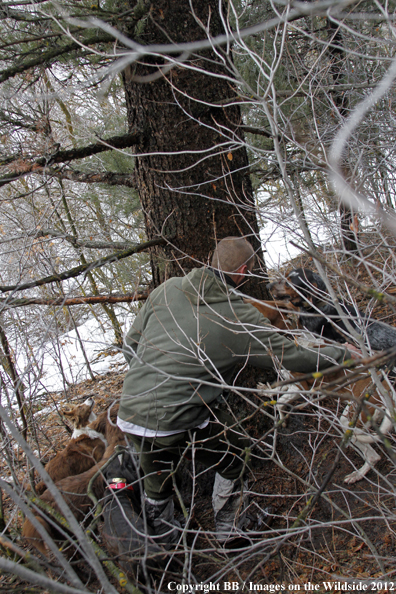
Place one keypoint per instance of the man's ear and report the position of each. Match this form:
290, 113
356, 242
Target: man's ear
242, 269
239, 275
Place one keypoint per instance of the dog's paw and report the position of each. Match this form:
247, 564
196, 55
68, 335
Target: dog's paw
354, 477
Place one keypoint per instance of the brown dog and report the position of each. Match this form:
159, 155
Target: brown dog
85, 448
74, 488
274, 311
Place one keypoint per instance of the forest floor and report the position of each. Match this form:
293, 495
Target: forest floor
349, 536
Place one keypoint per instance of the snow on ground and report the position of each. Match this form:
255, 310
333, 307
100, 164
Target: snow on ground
64, 361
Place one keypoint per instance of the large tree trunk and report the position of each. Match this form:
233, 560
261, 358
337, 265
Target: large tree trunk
193, 189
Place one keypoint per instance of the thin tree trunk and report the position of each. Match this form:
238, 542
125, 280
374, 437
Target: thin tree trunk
2, 518
81, 345
108, 309
341, 100
17, 383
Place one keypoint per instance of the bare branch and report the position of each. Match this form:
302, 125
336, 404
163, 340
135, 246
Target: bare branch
100, 245
50, 56
101, 177
66, 301
23, 167
78, 270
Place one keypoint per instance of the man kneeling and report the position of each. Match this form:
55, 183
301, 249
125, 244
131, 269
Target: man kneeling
182, 350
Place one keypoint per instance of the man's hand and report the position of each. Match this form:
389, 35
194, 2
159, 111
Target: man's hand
355, 352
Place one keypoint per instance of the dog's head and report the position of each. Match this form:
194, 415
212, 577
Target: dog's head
300, 286
81, 414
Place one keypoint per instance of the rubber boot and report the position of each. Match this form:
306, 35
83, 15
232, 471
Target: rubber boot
230, 501
160, 518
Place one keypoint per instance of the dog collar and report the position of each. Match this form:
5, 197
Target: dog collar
120, 483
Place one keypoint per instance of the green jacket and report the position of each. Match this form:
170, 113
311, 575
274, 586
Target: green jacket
183, 347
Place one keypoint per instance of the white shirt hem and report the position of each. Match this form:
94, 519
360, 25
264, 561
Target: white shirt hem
127, 427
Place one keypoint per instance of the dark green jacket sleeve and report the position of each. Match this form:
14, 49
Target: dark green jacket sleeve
266, 343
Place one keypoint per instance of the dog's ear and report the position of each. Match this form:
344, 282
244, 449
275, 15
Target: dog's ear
306, 284
71, 414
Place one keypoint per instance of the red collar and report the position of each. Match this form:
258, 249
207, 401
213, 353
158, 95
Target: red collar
120, 486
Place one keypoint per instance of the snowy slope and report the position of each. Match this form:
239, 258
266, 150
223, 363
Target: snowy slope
65, 361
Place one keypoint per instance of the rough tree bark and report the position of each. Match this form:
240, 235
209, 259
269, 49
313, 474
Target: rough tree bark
193, 190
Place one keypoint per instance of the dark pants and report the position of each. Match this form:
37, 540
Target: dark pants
215, 446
